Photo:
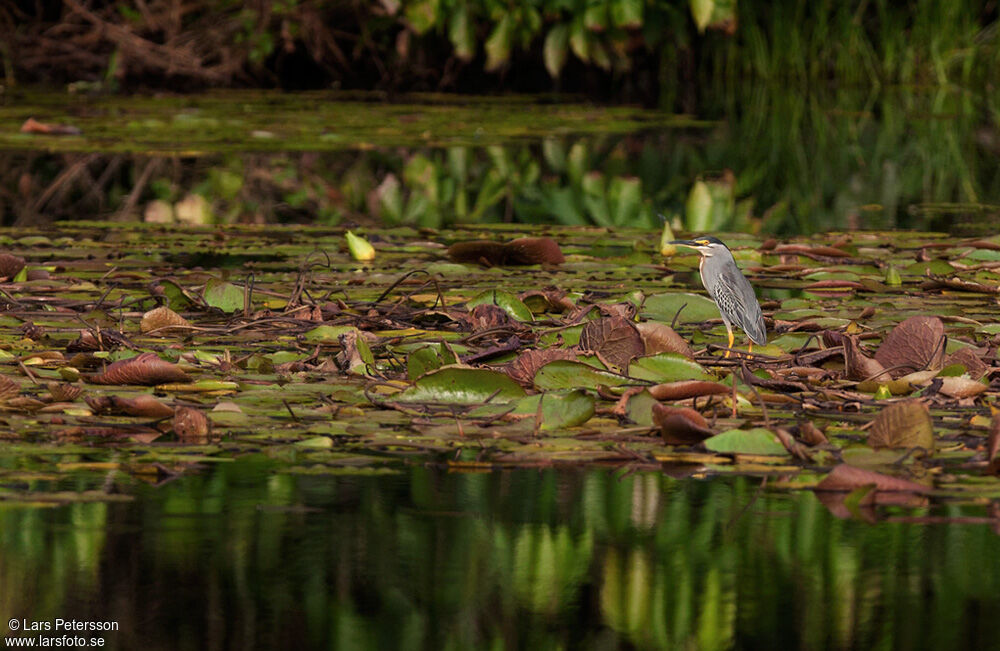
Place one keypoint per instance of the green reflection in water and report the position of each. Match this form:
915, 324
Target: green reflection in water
239, 557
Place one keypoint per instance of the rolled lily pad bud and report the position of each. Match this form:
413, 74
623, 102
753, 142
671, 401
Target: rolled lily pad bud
361, 250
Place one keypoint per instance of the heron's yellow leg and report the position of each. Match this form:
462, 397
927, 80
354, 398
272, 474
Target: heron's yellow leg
729, 331
750, 349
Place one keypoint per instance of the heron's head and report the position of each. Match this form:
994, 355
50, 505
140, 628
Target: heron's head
707, 245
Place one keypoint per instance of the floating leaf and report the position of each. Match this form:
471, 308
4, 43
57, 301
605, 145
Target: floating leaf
667, 367
327, 333
147, 369
10, 266
752, 441
614, 339
571, 375
687, 389
680, 425
519, 252
224, 296
524, 368
660, 338
916, 344
462, 386
510, 304
687, 308
848, 478
143, 406
191, 425
162, 320
905, 424
559, 410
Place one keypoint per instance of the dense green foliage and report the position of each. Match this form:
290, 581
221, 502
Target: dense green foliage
660, 51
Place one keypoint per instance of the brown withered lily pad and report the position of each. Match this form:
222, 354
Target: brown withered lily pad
143, 406
687, 389
522, 251
905, 424
147, 369
10, 265
162, 320
858, 365
523, 369
845, 477
916, 344
614, 339
191, 425
64, 392
660, 338
680, 425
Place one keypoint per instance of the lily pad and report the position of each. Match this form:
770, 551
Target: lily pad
462, 386
752, 441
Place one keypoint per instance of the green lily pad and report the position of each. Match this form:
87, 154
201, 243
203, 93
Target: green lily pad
750, 441
506, 301
327, 333
566, 374
559, 410
667, 367
664, 307
224, 296
462, 386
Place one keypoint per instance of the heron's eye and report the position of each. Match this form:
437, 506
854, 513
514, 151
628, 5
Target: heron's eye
702, 242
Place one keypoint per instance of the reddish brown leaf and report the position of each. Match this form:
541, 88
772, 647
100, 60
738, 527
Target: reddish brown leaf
661, 338
905, 424
810, 434
522, 251
614, 339
533, 250
10, 265
847, 478
9, 389
859, 366
680, 425
969, 358
993, 445
146, 368
191, 425
687, 389
916, 344
31, 125
523, 369
794, 448
961, 387
143, 406
486, 317
64, 392
163, 320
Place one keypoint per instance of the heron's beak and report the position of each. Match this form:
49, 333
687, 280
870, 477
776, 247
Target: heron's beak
690, 243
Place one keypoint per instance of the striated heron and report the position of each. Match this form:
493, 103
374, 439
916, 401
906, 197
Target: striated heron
730, 290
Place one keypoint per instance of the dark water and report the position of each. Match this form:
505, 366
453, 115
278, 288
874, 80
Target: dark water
238, 557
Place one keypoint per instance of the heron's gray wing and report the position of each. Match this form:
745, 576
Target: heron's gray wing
738, 304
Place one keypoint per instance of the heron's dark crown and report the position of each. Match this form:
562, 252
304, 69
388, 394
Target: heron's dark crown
705, 240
